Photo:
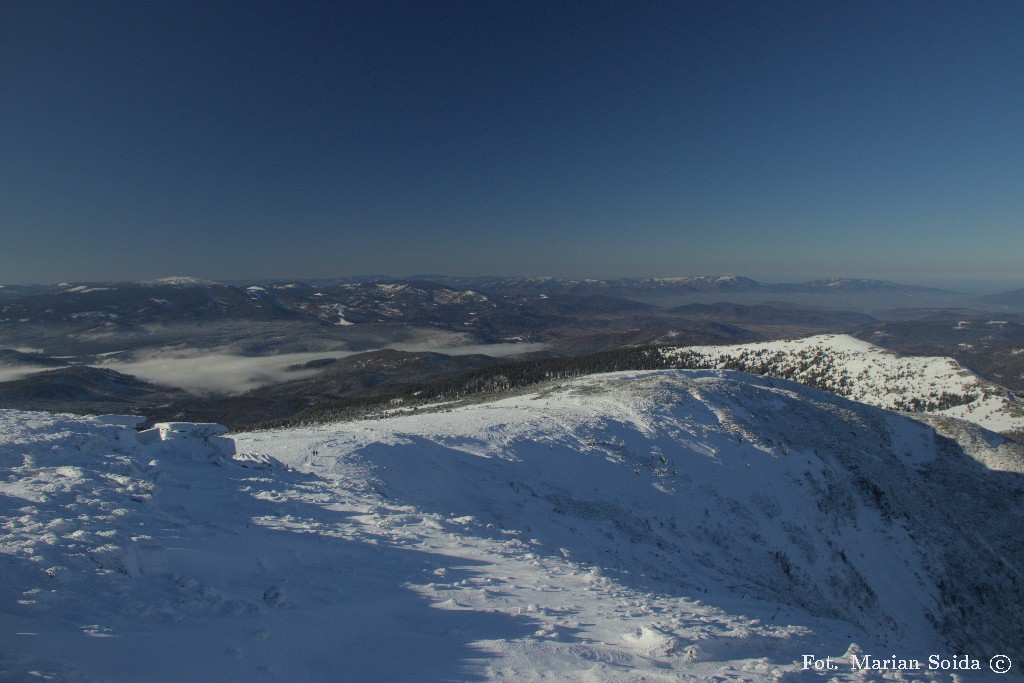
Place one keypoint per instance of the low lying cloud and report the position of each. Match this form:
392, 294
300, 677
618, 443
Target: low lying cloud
202, 372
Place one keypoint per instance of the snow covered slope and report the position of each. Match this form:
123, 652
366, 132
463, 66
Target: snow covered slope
671, 525
864, 372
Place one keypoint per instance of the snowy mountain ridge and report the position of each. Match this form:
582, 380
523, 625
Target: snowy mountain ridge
867, 373
675, 525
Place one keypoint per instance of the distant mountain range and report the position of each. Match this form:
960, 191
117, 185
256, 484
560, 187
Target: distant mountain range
261, 295
95, 318
486, 304
657, 289
527, 285
1013, 298
722, 283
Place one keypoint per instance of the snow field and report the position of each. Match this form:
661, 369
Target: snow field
657, 526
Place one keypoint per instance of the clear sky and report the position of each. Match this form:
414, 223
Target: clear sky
783, 140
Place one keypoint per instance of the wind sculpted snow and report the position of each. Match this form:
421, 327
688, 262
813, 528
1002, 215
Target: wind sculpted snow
671, 525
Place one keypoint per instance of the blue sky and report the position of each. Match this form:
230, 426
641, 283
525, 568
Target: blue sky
783, 140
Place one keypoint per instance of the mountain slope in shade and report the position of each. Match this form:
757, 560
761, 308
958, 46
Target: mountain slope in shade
664, 525
1013, 299
83, 389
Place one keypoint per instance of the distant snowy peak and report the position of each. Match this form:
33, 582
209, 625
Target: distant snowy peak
849, 282
860, 285
714, 282
84, 289
861, 371
180, 281
98, 286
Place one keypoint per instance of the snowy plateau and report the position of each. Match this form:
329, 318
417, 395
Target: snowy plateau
697, 525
